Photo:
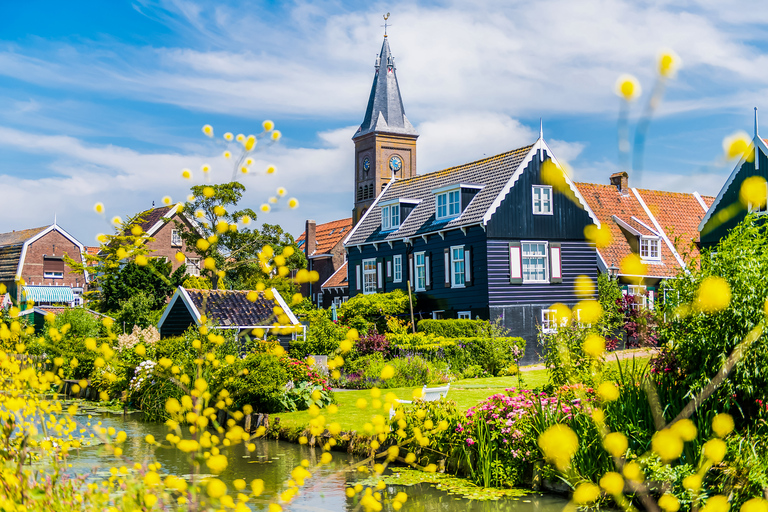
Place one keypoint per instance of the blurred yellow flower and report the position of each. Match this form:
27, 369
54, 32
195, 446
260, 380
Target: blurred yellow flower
281, 191
586, 493
141, 260
265, 207
388, 372
601, 236
208, 130
616, 444
717, 503
562, 313
116, 220
714, 450
722, 424
240, 137
208, 191
594, 345
186, 174
685, 429
249, 143
167, 200
692, 482
584, 286
590, 311
271, 169
753, 192
669, 503
755, 505
608, 391
217, 463
632, 265
667, 445
559, 444
293, 203
276, 135
713, 295
268, 125
98, 207
227, 154
228, 136
205, 168
669, 63
628, 87
737, 144
612, 483
216, 488
633, 471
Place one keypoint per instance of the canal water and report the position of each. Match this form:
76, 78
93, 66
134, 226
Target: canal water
272, 461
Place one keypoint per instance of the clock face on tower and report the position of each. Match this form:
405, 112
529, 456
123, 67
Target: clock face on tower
366, 164
395, 164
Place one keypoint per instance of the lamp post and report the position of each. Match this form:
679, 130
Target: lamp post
614, 271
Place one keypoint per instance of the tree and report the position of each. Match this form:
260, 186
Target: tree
230, 249
154, 279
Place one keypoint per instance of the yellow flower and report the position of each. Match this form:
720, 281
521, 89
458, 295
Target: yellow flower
755, 505
244, 170
562, 313
594, 345
186, 174
685, 429
669, 63
140, 350
141, 260
669, 503
388, 372
714, 450
98, 208
150, 500
628, 87
216, 488
590, 311
205, 168
273, 200
268, 125
717, 503
361, 403
584, 287
667, 445
217, 463
227, 154
632, 265
722, 424
116, 220
188, 445
276, 135
598, 416
601, 236
249, 143
257, 486
208, 130
632, 471
167, 200
559, 444
608, 391
265, 207
281, 191
180, 257
753, 192
209, 263
616, 444
692, 482
713, 295
293, 203
222, 226
612, 482
228, 136
240, 137
586, 493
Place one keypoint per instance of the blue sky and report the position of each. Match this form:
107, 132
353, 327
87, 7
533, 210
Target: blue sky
104, 101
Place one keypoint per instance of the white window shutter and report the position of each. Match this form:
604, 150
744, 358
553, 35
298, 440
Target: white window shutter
379, 275
555, 264
467, 266
515, 263
447, 257
358, 277
427, 269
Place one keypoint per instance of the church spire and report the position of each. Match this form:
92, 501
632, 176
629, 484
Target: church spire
385, 112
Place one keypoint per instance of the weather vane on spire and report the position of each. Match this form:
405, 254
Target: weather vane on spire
385, 25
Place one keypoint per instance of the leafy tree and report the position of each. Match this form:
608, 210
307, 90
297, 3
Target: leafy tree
138, 309
154, 279
230, 249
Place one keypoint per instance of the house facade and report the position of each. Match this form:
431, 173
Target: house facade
161, 224
32, 265
322, 245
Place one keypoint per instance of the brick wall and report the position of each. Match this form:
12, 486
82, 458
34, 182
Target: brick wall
162, 247
52, 243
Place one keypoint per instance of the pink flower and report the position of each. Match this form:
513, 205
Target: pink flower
470, 441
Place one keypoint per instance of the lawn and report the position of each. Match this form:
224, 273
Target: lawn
466, 393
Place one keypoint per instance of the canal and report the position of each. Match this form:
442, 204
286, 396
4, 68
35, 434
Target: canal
272, 461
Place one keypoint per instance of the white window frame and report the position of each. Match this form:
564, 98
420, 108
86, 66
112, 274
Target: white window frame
397, 268
53, 275
390, 216
176, 240
638, 291
540, 209
458, 279
194, 265
448, 204
370, 276
464, 315
420, 281
549, 321
528, 255
646, 243
438, 314
385, 218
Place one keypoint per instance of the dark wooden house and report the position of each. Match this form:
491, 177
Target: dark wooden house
488, 239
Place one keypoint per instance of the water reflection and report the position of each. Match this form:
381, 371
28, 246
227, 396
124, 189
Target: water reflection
272, 461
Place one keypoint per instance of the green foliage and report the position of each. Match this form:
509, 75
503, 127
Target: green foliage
365, 372
608, 294
565, 359
137, 310
257, 380
323, 335
362, 310
453, 328
299, 397
82, 323
153, 279
71, 347
701, 342
197, 283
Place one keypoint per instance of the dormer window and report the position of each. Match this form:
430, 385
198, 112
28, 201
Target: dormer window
451, 200
650, 248
448, 204
390, 217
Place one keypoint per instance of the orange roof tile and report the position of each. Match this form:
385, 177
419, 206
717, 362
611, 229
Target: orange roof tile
678, 215
328, 235
338, 279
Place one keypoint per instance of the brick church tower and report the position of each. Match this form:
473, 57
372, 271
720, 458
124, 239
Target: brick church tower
385, 144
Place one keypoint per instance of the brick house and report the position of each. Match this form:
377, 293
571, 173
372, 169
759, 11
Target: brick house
35, 257
322, 244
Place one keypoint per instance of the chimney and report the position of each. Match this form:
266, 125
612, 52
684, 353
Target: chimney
309, 237
620, 180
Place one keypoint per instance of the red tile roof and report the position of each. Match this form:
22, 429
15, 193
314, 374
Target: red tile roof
19, 237
677, 214
328, 235
338, 279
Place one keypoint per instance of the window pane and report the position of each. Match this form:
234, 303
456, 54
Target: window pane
395, 216
457, 266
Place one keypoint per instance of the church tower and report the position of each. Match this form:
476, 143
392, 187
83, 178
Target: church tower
385, 144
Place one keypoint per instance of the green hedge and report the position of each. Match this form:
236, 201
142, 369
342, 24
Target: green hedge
453, 328
492, 354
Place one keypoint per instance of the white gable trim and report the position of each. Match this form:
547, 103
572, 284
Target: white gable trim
701, 201
159, 224
52, 227
286, 309
661, 231
368, 211
179, 294
646, 226
535, 149
626, 226
757, 142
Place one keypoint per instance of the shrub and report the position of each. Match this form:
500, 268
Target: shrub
453, 328
363, 310
322, 338
82, 323
373, 342
257, 380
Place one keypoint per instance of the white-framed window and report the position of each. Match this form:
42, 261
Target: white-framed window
438, 315
390, 217
370, 279
640, 293
193, 266
465, 315
549, 323
53, 275
397, 268
175, 238
534, 258
448, 204
542, 200
419, 260
337, 301
457, 267
650, 248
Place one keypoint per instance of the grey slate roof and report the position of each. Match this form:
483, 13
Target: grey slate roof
492, 173
385, 112
232, 308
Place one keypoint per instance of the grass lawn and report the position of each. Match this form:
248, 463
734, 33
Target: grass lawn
466, 393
